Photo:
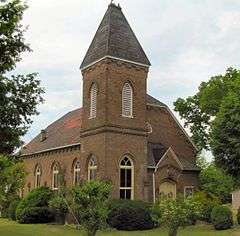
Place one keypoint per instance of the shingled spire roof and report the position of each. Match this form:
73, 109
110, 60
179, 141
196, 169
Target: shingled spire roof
115, 38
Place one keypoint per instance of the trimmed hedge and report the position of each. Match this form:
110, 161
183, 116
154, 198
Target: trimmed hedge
130, 215
36, 215
35, 199
221, 217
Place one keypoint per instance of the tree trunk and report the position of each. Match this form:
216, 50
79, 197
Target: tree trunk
173, 232
92, 232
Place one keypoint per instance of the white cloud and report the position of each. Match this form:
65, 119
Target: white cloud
186, 41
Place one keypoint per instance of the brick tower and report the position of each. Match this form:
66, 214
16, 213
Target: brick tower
115, 71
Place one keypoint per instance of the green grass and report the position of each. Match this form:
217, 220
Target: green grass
10, 228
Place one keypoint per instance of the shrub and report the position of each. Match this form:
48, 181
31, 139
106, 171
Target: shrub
59, 206
175, 213
37, 198
12, 209
36, 215
130, 215
207, 203
238, 216
91, 205
221, 217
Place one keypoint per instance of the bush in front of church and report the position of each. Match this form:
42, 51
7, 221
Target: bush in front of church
221, 217
31, 215
130, 215
238, 216
37, 198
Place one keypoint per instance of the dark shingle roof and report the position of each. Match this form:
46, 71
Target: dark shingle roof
154, 101
114, 37
63, 132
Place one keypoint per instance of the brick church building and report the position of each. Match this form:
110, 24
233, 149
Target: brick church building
121, 134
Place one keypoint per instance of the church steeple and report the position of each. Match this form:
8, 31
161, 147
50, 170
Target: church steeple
115, 39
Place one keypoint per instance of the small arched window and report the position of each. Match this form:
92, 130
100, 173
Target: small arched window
38, 177
55, 177
92, 168
93, 100
127, 100
126, 178
76, 174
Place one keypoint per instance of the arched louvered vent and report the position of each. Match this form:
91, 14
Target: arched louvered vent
127, 100
93, 101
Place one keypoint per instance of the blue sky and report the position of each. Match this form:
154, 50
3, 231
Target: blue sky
187, 41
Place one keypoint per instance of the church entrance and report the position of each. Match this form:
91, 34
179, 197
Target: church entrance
168, 188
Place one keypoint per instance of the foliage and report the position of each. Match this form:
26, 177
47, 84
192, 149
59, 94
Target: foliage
130, 215
221, 217
31, 215
117, 203
36, 198
225, 133
216, 183
12, 178
177, 212
19, 94
90, 205
12, 209
206, 202
238, 216
199, 111
59, 206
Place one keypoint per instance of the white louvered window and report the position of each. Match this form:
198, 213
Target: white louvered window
127, 100
93, 101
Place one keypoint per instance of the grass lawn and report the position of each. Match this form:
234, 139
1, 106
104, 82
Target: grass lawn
10, 228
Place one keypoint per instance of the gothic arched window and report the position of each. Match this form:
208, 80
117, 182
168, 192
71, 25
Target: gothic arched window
76, 173
55, 177
92, 168
93, 100
127, 100
126, 178
37, 176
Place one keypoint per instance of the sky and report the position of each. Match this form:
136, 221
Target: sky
187, 41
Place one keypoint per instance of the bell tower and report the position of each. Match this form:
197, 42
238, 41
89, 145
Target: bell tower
114, 72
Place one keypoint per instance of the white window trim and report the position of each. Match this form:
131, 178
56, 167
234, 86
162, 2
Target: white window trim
91, 167
132, 177
53, 173
37, 174
131, 101
76, 170
191, 187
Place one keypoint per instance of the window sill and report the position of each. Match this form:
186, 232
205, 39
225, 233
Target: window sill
130, 117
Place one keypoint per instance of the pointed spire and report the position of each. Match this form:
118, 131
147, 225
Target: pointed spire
115, 38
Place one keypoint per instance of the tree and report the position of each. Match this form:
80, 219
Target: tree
225, 136
175, 213
19, 94
200, 110
12, 177
91, 205
216, 183
213, 116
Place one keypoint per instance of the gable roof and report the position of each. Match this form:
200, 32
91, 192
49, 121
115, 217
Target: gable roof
115, 38
63, 132
155, 158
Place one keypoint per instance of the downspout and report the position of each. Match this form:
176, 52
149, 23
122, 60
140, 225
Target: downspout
154, 186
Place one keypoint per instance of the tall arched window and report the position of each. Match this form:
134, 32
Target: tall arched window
92, 168
93, 100
127, 100
126, 178
55, 177
37, 176
76, 173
